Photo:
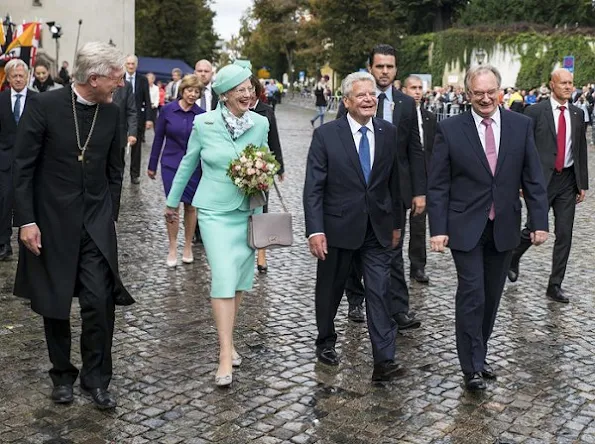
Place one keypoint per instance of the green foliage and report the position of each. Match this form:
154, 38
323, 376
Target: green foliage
539, 52
178, 29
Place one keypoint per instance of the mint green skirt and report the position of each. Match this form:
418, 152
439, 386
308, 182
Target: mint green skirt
225, 238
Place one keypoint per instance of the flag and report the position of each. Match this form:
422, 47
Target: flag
23, 46
2, 37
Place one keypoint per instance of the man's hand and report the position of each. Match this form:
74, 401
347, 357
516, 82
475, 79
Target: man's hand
396, 238
538, 237
131, 140
438, 243
148, 125
171, 215
151, 174
581, 195
31, 238
318, 246
418, 205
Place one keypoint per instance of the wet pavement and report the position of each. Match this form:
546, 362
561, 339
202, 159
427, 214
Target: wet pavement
165, 351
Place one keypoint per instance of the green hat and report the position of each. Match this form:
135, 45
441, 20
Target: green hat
244, 64
229, 77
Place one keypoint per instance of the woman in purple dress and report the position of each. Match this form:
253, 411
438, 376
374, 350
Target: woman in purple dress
174, 127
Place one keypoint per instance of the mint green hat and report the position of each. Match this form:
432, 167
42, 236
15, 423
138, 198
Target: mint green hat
244, 64
229, 77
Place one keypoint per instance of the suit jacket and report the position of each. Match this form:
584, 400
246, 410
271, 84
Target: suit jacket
8, 127
429, 127
546, 141
412, 168
461, 187
126, 101
337, 200
170, 89
143, 99
211, 144
274, 144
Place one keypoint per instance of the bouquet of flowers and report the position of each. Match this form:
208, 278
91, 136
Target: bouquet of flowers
254, 170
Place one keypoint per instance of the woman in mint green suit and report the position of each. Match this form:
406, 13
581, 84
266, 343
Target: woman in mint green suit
217, 138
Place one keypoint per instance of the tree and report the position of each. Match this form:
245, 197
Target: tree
177, 29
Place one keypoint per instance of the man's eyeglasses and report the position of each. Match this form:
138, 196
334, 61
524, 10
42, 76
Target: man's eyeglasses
480, 94
114, 79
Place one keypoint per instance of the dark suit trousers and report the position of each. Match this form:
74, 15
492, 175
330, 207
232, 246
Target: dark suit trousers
398, 285
95, 293
481, 275
136, 150
330, 283
6, 197
417, 241
562, 193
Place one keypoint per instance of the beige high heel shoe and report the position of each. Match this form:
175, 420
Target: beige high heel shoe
223, 381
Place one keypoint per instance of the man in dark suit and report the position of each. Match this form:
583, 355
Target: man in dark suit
140, 87
67, 199
562, 146
426, 121
12, 104
352, 208
209, 98
481, 159
126, 101
398, 109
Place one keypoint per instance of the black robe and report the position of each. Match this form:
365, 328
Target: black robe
63, 196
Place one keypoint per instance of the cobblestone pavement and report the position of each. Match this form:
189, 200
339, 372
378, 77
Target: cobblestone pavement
165, 351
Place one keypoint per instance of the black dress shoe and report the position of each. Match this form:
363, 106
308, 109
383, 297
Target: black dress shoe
135, 180
474, 382
327, 356
420, 276
386, 371
356, 313
555, 293
513, 270
407, 322
488, 372
62, 394
102, 399
5, 252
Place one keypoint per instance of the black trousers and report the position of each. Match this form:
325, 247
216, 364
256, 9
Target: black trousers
562, 191
6, 198
481, 275
331, 275
95, 293
135, 152
417, 241
399, 291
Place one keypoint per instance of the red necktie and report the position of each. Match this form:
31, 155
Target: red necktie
561, 140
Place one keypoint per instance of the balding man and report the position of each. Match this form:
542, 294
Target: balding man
140, 87
209, 99
562, 147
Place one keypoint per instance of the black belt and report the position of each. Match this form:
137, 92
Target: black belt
564, 170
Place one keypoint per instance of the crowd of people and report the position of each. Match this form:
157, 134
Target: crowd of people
384, 160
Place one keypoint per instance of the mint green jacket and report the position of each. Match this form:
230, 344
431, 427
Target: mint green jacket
211, 144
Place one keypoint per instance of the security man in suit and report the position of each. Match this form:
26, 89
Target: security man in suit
125, 99
398, 109
426, 121
562, 146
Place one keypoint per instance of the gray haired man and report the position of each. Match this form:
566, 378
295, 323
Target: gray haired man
67, 180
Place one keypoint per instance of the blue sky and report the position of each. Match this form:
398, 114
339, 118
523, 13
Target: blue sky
229, 12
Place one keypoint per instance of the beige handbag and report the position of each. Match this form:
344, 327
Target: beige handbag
271, 230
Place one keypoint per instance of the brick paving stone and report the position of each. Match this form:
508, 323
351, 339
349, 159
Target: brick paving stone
165, 350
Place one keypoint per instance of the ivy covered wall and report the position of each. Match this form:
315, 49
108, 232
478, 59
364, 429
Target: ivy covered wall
539, 50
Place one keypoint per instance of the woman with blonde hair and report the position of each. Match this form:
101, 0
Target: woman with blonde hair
172, 132
218, 137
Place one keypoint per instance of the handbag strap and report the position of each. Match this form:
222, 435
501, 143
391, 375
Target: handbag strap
280, 197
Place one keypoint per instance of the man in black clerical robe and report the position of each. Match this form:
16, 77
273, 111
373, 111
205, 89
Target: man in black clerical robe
66, 208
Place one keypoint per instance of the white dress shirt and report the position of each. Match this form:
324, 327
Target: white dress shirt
208, 93
420, 124
481, 129
154, 94
357, 136
568, 161
388, 103
13, 99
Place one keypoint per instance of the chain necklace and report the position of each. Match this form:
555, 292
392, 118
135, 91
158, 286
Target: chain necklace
83, 148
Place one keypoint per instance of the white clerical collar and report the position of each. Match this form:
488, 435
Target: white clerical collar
81, 99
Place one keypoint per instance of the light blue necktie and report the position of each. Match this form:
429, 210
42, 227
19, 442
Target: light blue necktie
17, 108
364, 153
